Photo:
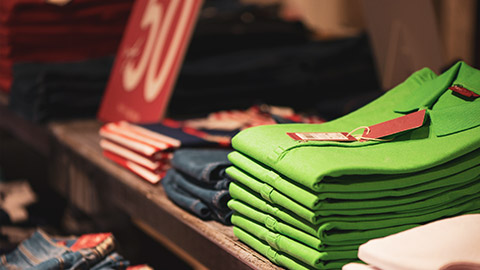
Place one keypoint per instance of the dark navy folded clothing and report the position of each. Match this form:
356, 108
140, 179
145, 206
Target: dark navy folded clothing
298, 76
190, 137
47, 91
227, 26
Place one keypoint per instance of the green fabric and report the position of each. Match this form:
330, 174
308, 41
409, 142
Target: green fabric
242, 193
350, 188
448, 114
423, 200
278, 226
352, 230
279, 258
264, 249
314, 162
291, 247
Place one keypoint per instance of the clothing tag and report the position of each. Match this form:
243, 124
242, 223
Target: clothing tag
464, 91
397, 125
321, 136
90, 241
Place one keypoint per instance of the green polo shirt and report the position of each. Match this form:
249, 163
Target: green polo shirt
429, 199
307, 255
420, 185
352, 230
278, 257
451, 131
276, 225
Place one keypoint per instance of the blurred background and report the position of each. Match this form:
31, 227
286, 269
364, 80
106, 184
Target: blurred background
320, 57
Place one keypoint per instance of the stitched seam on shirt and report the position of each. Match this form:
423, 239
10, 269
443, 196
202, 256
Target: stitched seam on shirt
29, 255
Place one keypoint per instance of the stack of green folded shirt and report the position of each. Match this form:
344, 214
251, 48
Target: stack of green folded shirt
310, 204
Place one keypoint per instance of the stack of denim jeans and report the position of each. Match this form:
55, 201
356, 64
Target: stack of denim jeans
306, 198
198, 183
51, 91
42, 251
50, 31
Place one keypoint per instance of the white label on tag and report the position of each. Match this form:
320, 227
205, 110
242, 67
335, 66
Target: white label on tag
321, 136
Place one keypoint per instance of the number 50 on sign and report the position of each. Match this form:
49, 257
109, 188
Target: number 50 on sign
148, 60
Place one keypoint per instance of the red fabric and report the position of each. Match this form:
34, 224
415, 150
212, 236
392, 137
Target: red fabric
72, 54
36, 30
5, 84
50, 12
90, 240
100, 12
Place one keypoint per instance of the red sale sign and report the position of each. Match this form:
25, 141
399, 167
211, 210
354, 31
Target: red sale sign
148, 60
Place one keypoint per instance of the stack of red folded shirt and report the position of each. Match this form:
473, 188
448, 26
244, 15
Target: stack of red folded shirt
147, 149
58, 30
140, 150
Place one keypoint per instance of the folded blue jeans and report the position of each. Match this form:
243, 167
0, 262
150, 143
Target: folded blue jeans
203, 202
204, 165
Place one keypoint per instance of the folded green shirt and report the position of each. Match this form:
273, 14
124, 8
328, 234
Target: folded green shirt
309, 256
278, 226
277, 257
352, 189
453, 130
351, 230
424, 200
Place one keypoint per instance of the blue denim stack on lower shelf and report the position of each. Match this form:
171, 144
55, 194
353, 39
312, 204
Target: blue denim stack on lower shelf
198, 183
42, 251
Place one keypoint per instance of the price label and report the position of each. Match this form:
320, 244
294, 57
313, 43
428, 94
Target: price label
148, 60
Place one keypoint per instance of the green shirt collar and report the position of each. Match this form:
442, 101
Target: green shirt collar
452, 119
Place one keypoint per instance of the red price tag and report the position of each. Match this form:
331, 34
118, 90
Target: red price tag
394, 126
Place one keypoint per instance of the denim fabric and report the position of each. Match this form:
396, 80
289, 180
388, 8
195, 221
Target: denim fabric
46, 91
205, 165
222, 184
183, 199
40, 251
31, 252
203, 202
112, 261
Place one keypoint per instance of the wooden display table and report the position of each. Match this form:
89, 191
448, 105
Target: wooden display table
80, 173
